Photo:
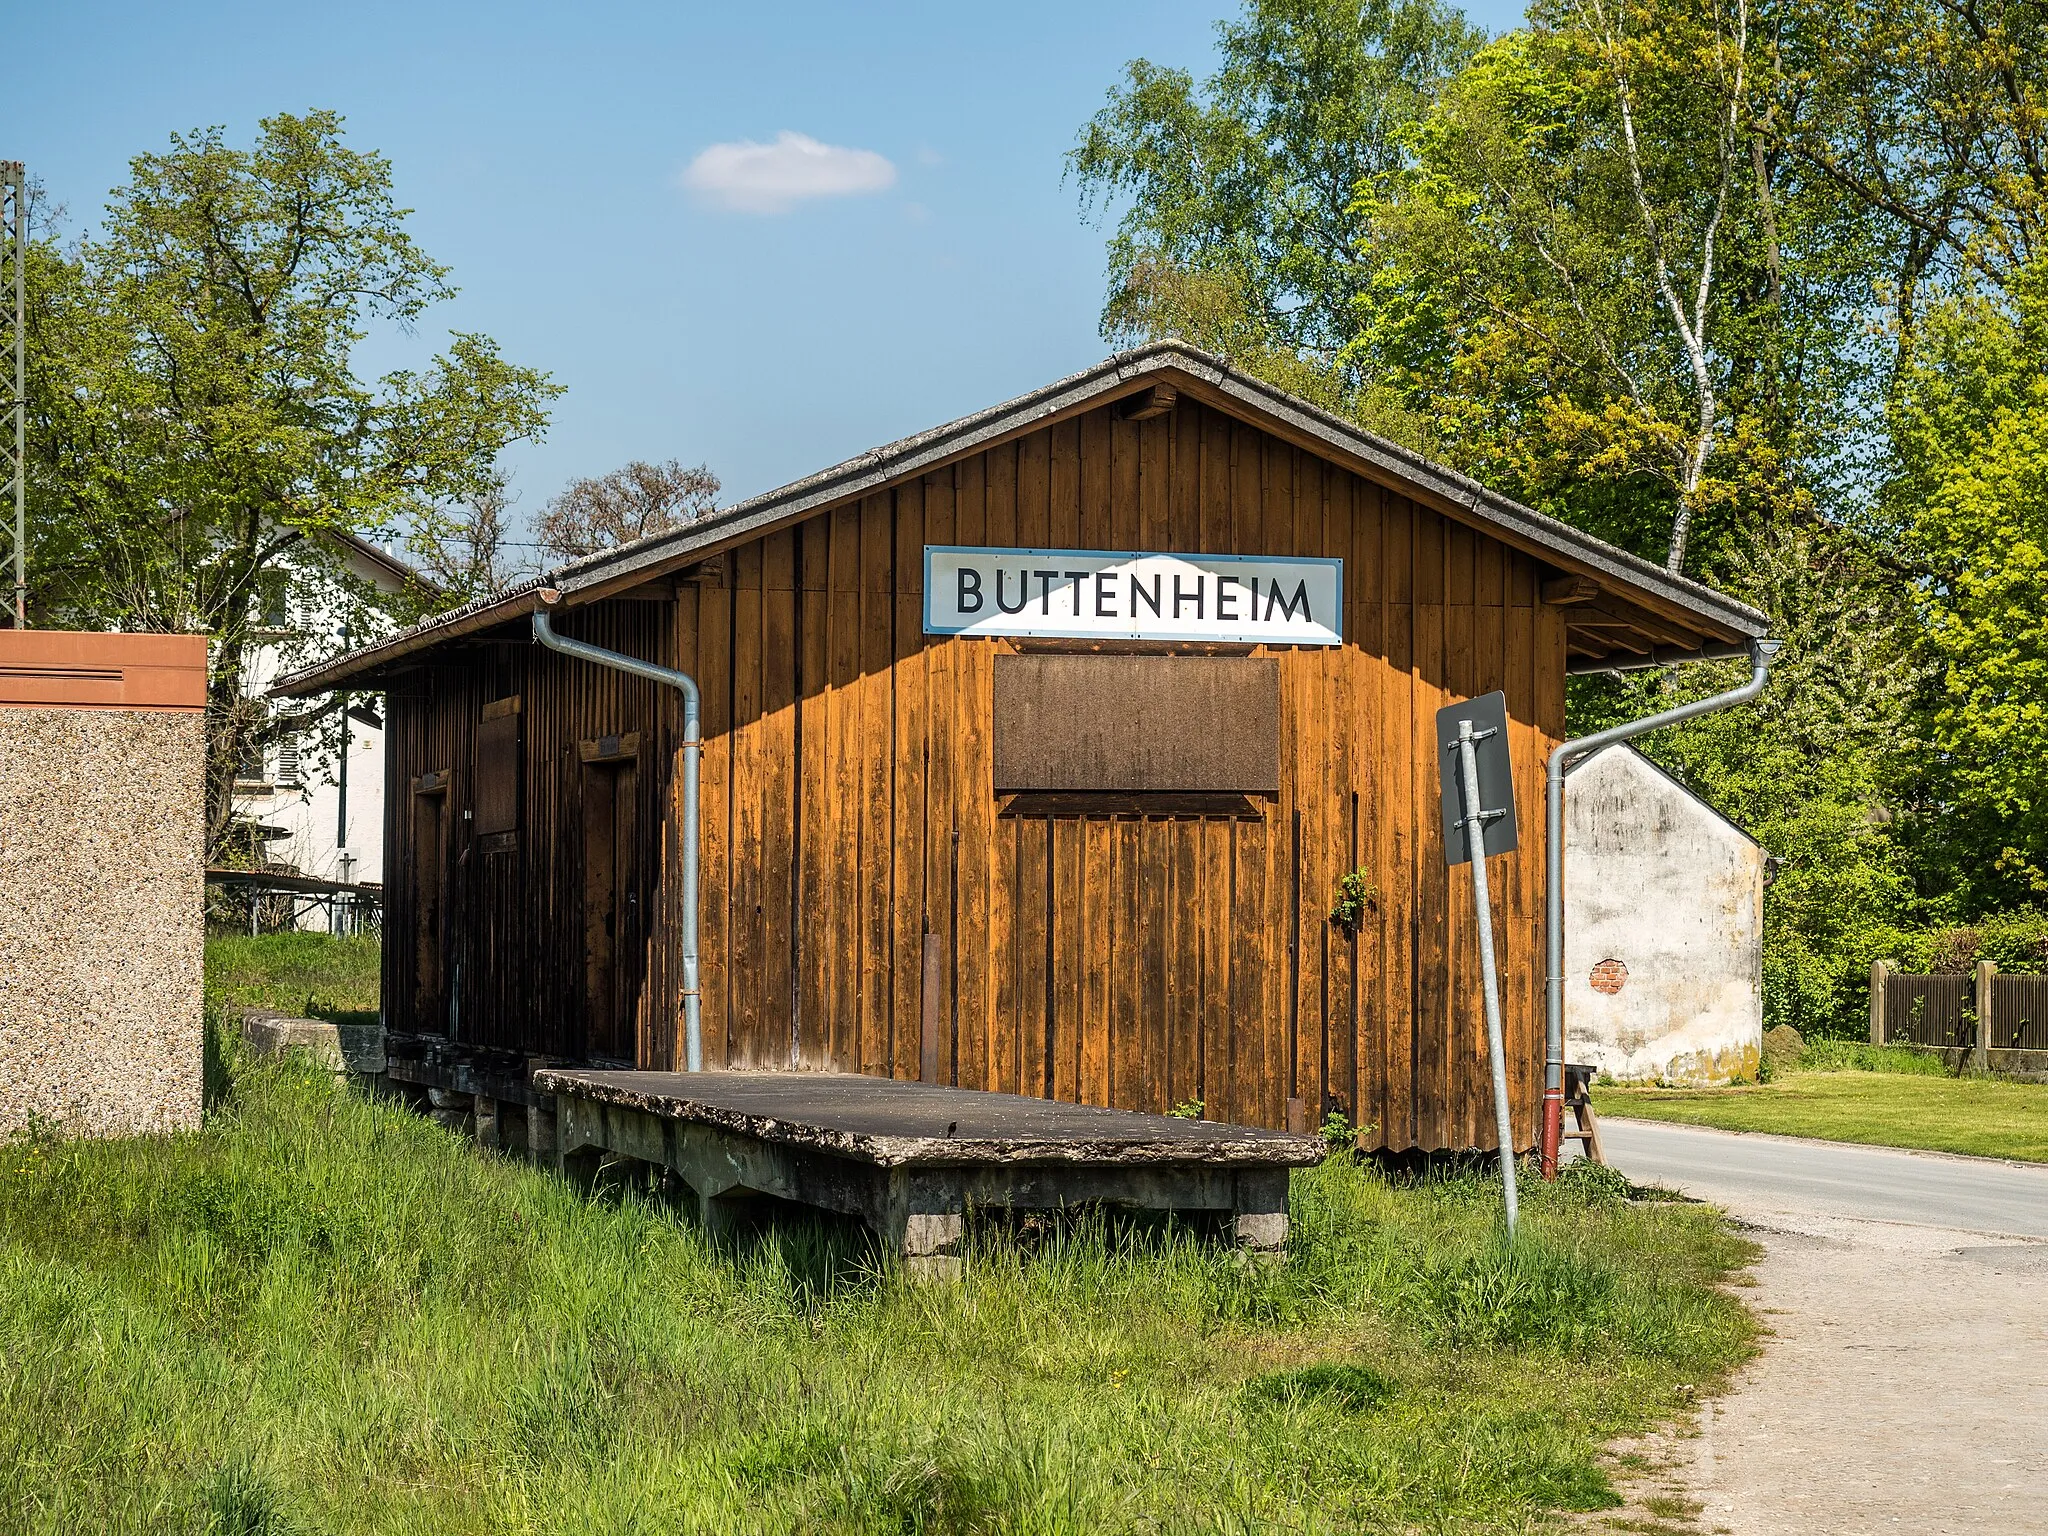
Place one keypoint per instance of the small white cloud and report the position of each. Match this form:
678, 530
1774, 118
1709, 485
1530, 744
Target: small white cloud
773, 178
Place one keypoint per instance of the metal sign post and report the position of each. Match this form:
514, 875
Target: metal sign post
1475, 734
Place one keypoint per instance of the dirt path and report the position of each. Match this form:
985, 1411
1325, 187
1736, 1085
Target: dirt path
1904, 1389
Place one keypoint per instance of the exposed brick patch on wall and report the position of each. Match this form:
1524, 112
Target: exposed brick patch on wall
1608, 976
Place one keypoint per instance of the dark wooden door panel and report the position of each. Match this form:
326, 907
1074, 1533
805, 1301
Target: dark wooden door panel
497, 768
628, 950
612, 934
430, 905
600, 916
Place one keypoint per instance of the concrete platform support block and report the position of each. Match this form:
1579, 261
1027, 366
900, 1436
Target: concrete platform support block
1259, 1223
273, 1034
930, 1244
1262, 1232
362, 1049
487, 1129
720, 1215
354, 1052
580, 1166
540, 1133
512, 1129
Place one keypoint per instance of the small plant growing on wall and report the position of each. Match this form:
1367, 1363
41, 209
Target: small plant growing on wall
1356, 896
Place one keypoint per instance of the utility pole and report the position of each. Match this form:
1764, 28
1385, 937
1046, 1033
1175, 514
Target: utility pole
14, 297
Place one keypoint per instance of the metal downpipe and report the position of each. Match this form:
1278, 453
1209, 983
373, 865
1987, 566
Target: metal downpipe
1562, 757
693, 751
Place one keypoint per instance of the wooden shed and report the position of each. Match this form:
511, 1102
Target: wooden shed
1089, 865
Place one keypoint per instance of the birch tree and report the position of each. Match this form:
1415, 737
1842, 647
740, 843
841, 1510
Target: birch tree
1679, 231
1550, 277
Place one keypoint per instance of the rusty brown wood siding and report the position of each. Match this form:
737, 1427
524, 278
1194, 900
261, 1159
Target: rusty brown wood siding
850, 818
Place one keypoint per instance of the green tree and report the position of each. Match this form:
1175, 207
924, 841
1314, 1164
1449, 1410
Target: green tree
198, 420
1239, 229
1971, 423
1614, 291
1814, 770
1578, 262
1933, 115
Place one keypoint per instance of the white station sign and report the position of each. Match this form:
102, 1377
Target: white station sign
1095, 594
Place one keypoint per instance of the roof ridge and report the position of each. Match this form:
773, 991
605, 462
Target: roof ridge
908, 455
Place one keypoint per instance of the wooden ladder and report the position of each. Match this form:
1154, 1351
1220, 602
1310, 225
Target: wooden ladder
1578, 1098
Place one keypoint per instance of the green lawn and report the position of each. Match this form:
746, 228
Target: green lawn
312, 975
319, 1313
1886, 1097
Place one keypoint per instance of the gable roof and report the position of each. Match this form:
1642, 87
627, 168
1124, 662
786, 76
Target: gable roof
1624, 609
387, 567
1678, 785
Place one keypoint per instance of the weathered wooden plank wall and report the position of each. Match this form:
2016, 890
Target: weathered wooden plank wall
512, 906
850, 823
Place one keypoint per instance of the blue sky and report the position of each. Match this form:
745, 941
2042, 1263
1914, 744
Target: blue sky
714, 314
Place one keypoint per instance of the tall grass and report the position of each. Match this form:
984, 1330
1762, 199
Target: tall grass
1860, 1056
323, 1314
314, 975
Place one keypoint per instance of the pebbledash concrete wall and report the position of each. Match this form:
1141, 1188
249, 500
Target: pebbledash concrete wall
1663, 932
102, 767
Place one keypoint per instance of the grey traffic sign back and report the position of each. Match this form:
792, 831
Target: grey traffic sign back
1489, 717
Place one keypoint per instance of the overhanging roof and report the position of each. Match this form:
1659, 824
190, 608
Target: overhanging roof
1631, 611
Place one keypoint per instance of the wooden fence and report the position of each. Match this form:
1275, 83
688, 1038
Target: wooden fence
1945, 1012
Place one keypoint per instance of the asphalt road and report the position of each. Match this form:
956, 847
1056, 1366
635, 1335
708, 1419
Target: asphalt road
1903, 1380
1751, 1173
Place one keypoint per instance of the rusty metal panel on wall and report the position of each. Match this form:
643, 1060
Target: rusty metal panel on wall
1137, 723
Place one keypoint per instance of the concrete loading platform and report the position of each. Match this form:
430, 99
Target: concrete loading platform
909, 1160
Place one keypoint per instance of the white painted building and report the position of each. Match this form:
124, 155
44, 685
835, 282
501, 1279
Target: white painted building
1663, 927
324, 811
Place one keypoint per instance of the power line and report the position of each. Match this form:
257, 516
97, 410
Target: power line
14, 315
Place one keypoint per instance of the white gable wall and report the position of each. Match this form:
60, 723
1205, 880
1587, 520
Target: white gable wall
1656, 880
305, 803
